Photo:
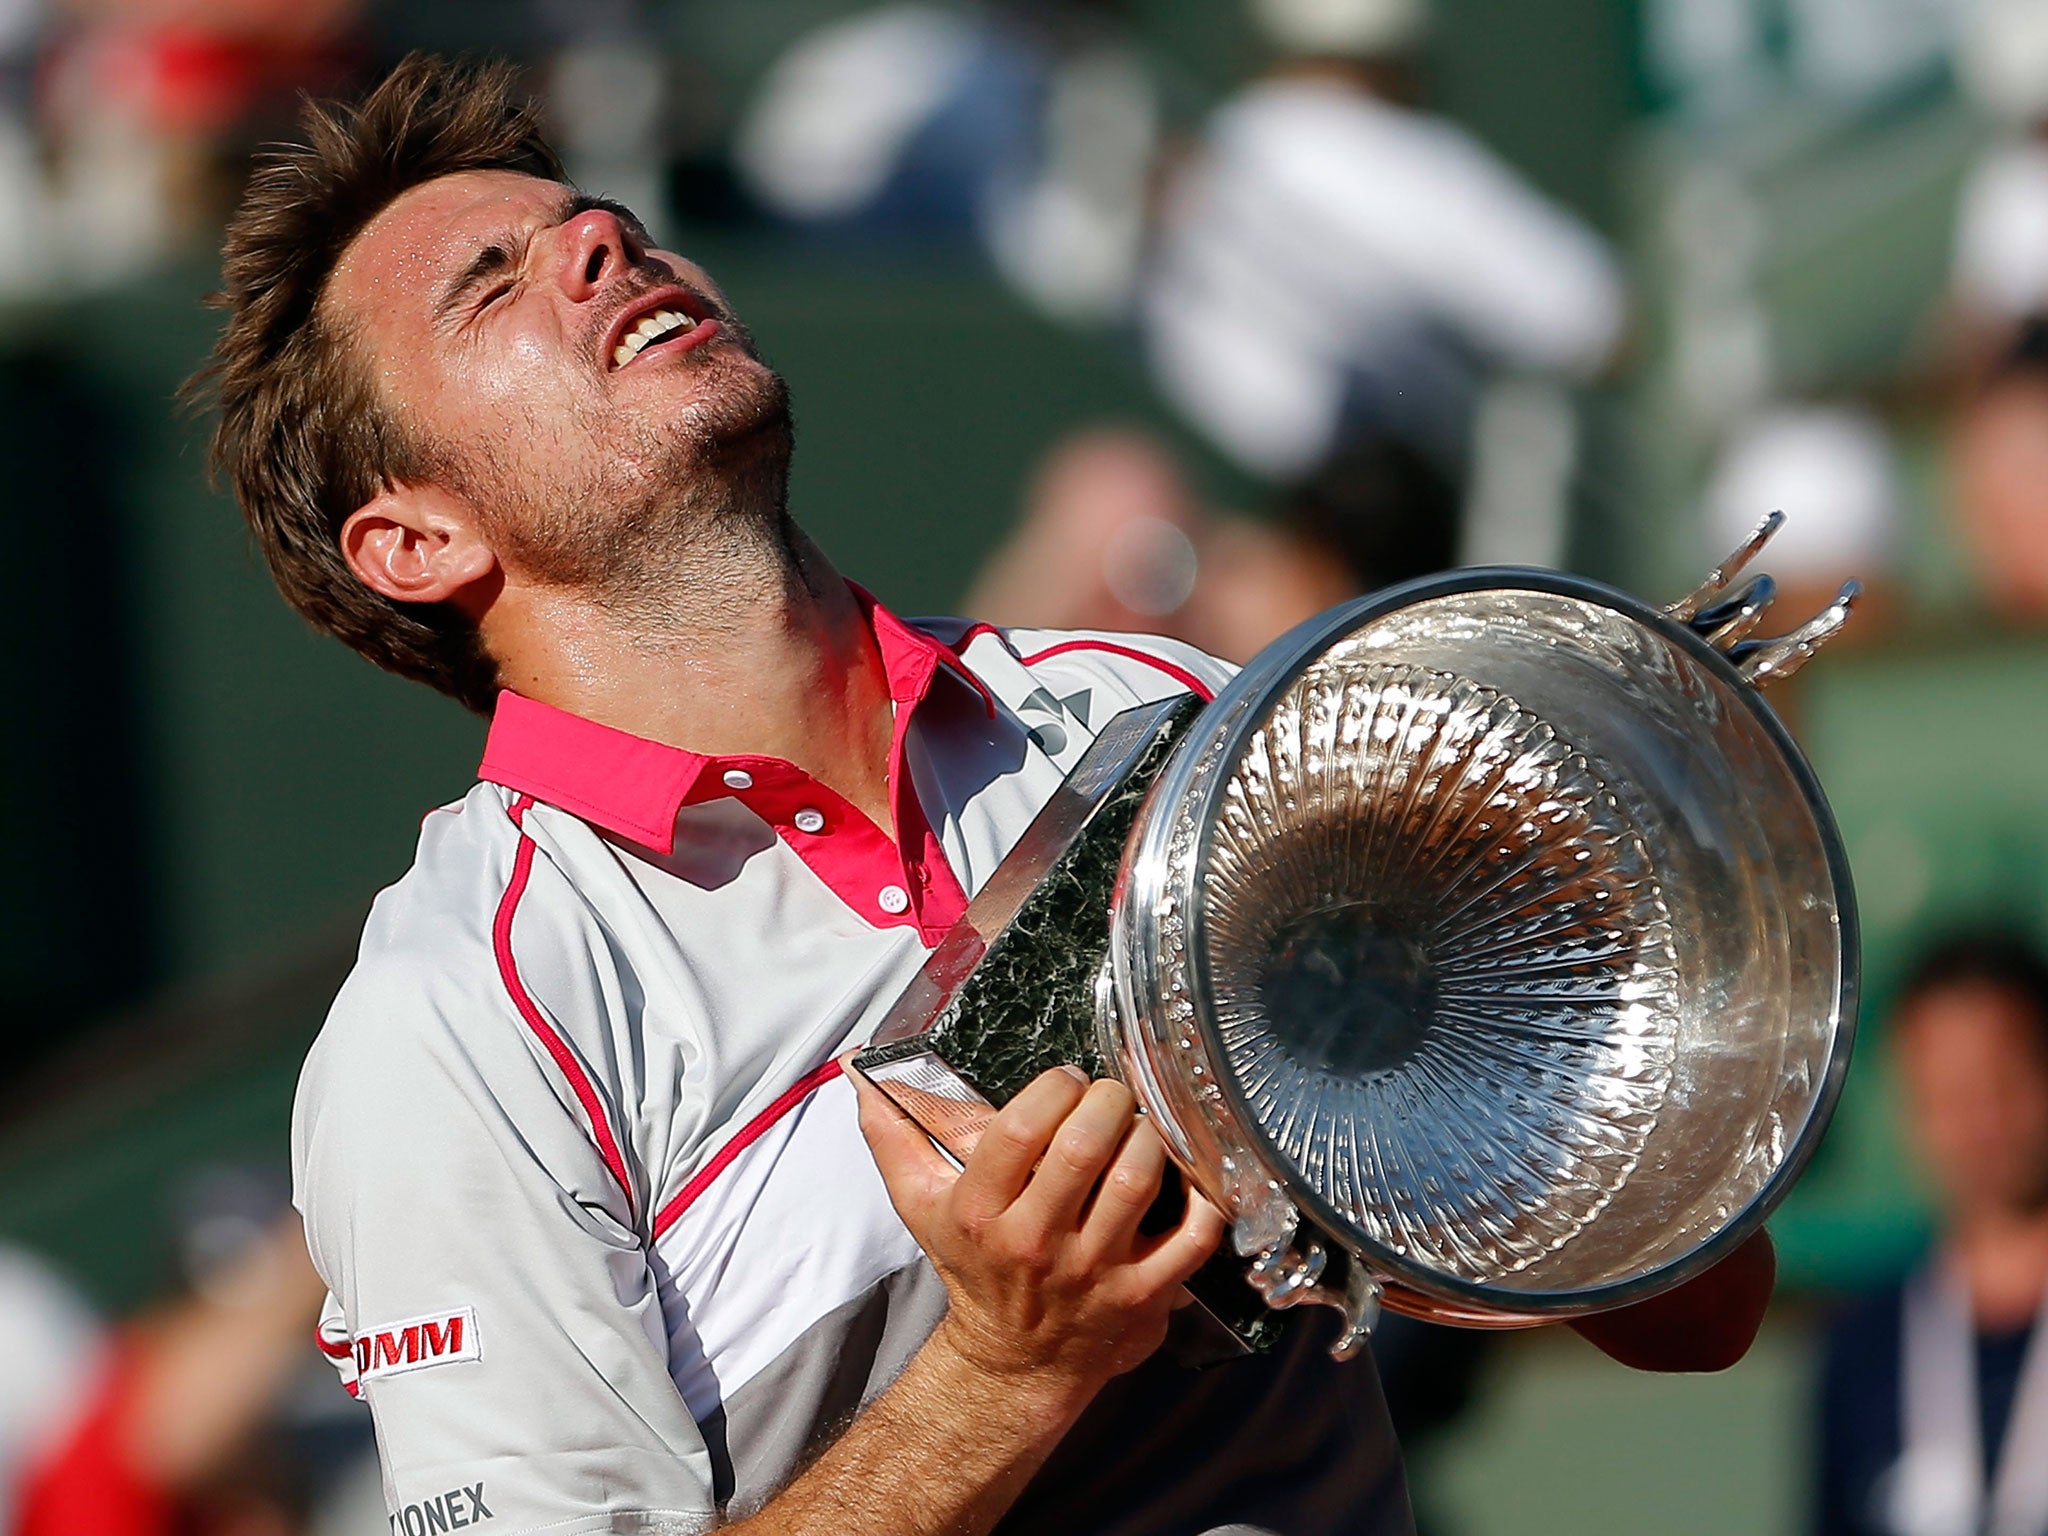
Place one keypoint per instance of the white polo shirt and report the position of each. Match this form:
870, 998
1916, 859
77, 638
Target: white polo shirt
606, 1249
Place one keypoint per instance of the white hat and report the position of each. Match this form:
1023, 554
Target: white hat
1350, 28
1833, 472
2002, 57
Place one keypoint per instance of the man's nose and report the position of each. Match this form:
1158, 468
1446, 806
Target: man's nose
593, 250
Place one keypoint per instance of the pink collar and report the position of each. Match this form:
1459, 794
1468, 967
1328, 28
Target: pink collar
631, 786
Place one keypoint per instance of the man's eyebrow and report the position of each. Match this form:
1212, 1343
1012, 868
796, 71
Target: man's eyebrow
496, 256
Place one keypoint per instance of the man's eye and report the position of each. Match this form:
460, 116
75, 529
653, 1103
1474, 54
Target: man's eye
494, 295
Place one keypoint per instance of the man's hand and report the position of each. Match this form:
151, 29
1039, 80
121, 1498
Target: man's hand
1052, 1287
1052, 1291
1707, 1324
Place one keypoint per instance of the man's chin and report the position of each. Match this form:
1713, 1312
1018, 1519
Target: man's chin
750, 423
768, 442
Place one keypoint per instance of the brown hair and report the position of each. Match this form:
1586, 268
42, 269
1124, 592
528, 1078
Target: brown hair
302, 437
2004, 958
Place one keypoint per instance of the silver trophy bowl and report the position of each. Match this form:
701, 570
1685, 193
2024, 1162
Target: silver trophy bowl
1487, 948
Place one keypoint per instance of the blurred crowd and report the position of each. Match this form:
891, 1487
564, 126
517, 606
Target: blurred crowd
1404, 351
196, 1417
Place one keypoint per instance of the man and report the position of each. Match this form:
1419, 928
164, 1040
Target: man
576, 1155
1394, 263
1934, 1397
1999, 447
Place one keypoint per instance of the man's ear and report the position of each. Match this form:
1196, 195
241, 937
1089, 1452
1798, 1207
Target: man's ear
417, 544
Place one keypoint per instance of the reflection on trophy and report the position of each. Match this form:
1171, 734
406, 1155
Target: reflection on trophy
1485, 950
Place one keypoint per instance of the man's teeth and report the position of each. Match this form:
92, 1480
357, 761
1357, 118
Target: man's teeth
656, 326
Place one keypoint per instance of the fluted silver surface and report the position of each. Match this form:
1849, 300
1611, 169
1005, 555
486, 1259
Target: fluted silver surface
1442, 967
1493, 931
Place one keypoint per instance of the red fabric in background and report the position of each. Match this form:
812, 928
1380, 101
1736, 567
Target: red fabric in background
88, 1485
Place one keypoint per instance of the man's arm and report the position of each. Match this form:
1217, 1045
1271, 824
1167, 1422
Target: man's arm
1052, 1291
507, 1320
1707, 1324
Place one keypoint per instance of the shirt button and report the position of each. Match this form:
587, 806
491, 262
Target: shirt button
808, 820
894, 899
738, 778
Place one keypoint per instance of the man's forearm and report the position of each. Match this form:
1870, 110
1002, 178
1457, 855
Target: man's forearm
1707, 1324
1052, 1290
944, 1452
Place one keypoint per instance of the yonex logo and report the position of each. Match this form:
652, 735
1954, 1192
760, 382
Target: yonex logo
451, 1511
416, 1343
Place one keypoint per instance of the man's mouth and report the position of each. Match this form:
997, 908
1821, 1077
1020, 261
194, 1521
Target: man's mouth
659, 327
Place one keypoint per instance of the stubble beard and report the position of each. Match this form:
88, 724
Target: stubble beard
679, 526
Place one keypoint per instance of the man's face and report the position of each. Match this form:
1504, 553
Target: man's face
1975, 1080
2001, 469
590, 397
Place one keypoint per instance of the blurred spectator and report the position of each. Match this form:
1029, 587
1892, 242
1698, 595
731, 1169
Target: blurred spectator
1029, 127
1337, 265
158, 1427
2000, 450
1832, 470
1380, 510
1113, 537
1108, 540
51, 1343
2001, 241
1258, 581
1375, 515
1934, 1396
148, 110
22, 173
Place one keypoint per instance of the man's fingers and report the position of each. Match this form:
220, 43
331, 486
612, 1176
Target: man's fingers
1129, 1186
915, 1172
1012, 1143
1085, 1144
1186, 1248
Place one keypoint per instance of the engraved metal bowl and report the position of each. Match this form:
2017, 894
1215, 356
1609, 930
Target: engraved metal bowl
1488, 948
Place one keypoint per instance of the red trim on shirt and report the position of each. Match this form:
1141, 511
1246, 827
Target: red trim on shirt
754, 1129
557, 1048
976, 630
1178, 673
334, 1351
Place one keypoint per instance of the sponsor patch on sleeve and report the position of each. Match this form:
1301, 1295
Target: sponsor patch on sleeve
437, 1339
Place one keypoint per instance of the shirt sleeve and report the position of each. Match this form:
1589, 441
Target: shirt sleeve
488, 1279
1140, 668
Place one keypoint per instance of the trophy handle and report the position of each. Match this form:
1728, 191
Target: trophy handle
1767, 661
1689, 606
1725, 619
1293, 1273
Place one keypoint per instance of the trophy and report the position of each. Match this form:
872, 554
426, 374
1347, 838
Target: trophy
1485, 950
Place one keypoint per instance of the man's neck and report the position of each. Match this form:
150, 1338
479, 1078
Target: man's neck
786, 667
